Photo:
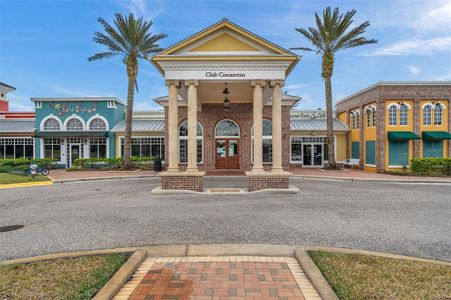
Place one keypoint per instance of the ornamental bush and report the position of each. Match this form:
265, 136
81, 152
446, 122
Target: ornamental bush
431, 166
112, 163
11, 164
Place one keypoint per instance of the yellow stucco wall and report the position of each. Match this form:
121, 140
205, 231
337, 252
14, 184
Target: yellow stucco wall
432, 127
223, 42
341, 146
397, 127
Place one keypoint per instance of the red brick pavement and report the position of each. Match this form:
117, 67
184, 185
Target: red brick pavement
217, 280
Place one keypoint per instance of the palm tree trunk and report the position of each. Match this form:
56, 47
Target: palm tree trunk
132, 70
330, 129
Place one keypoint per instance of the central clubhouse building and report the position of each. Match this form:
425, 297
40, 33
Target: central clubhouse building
225, 111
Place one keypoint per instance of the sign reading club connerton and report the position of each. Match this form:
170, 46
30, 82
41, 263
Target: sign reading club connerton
217, 73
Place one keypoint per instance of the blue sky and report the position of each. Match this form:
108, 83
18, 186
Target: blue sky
44, 45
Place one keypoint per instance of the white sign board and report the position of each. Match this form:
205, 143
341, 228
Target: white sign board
224, 75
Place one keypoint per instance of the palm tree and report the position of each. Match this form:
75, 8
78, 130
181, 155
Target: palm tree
330, 36
130, 39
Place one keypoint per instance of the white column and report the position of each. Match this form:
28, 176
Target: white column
276, 86
173, 121
192, 125
258, 119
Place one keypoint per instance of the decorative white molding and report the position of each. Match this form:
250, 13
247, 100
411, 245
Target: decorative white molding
51, 116
97, 116
74, 116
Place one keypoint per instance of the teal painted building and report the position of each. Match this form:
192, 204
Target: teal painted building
71, 128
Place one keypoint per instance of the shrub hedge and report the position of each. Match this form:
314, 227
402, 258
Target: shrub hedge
431, 166
22, 164
112, 163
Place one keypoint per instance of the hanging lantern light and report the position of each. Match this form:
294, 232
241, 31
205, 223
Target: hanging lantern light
226, 93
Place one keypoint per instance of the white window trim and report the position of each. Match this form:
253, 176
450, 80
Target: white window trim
97, 116
38, 104
50, 117
74, 116
22, 137
227, 137
396, 106
111, 104
135, 137
201, 137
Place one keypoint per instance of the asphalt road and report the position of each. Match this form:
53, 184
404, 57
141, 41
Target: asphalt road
399, 218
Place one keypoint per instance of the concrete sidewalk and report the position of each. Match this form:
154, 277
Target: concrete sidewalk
61, 175
348, 174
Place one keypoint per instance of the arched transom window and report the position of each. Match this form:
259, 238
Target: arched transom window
403, 114
52, 125
227, 128
392, 115
97, 125
427, 115
183, 142
438, 114
74, 125
267, 141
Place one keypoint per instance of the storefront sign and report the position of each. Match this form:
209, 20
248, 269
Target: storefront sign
62, 109
224, 75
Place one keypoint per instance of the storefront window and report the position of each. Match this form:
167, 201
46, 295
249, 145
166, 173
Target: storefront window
296, 150
97, 148
145, 147
183, 142
16, 148
52, 148
267, 141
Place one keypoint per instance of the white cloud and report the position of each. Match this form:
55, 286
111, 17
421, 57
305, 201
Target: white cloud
67, 91
414, 70
140, 8
19, 103
415, 46
436, 15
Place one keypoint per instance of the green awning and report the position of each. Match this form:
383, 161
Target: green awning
402, 136
436, 135
69, 134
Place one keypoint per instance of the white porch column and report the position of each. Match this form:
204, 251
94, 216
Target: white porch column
276, 86
192, 125
258, 119
173, 120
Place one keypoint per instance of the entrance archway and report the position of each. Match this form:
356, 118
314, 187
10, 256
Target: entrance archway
227, 145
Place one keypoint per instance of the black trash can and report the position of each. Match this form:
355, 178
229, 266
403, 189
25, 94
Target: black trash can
157, 164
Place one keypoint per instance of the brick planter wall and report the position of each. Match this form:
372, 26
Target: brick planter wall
191, 183
262, 183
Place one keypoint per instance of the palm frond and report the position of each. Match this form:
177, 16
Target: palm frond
332, 31
102, 55
302, 49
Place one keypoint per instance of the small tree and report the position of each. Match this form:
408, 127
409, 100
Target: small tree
131, 39
330, 36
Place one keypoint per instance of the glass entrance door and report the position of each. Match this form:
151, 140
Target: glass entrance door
74, 153
312, 155
227, 154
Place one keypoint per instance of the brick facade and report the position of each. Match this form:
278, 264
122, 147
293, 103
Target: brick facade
261, 183
212, 114
379, 93
190, 183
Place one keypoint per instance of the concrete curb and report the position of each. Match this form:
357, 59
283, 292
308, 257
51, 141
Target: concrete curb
384, 180
291, 190
121, 277
25, 184
104, 178
314, 275
378, 254
67, 255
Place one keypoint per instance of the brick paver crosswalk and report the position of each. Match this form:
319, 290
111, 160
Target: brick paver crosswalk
232, 277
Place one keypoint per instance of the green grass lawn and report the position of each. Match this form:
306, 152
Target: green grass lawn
6, 178
355, 276
71, 278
